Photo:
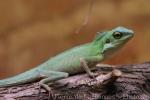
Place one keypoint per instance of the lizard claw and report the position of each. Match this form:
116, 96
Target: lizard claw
50, 93
93, 75
39, 92
48, 89
50, 96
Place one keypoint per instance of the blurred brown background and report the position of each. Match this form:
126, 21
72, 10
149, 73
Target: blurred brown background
31, 31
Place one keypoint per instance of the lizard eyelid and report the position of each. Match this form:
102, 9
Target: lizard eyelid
117, 35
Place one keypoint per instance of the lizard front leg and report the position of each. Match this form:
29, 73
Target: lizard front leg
84, 63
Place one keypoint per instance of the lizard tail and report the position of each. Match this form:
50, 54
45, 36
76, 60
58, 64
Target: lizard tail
23, 78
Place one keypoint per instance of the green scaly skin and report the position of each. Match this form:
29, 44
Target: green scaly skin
68, 62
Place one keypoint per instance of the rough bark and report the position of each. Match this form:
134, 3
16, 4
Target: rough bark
125, 82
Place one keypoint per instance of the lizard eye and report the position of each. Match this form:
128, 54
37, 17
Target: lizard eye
117, 35
107, 41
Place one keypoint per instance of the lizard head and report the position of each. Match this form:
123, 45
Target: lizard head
111, 41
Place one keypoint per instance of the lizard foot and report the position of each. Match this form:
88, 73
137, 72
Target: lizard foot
93, 75
48, 89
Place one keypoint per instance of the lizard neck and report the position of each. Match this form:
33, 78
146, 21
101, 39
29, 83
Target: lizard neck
96, 48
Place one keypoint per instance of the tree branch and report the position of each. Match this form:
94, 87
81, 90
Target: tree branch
124, 82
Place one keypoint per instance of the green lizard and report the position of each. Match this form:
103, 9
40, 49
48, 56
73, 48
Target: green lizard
74, 60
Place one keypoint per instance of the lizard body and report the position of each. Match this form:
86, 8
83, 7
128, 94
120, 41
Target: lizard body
69, 62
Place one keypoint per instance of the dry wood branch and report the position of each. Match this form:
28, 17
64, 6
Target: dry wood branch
126, 82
